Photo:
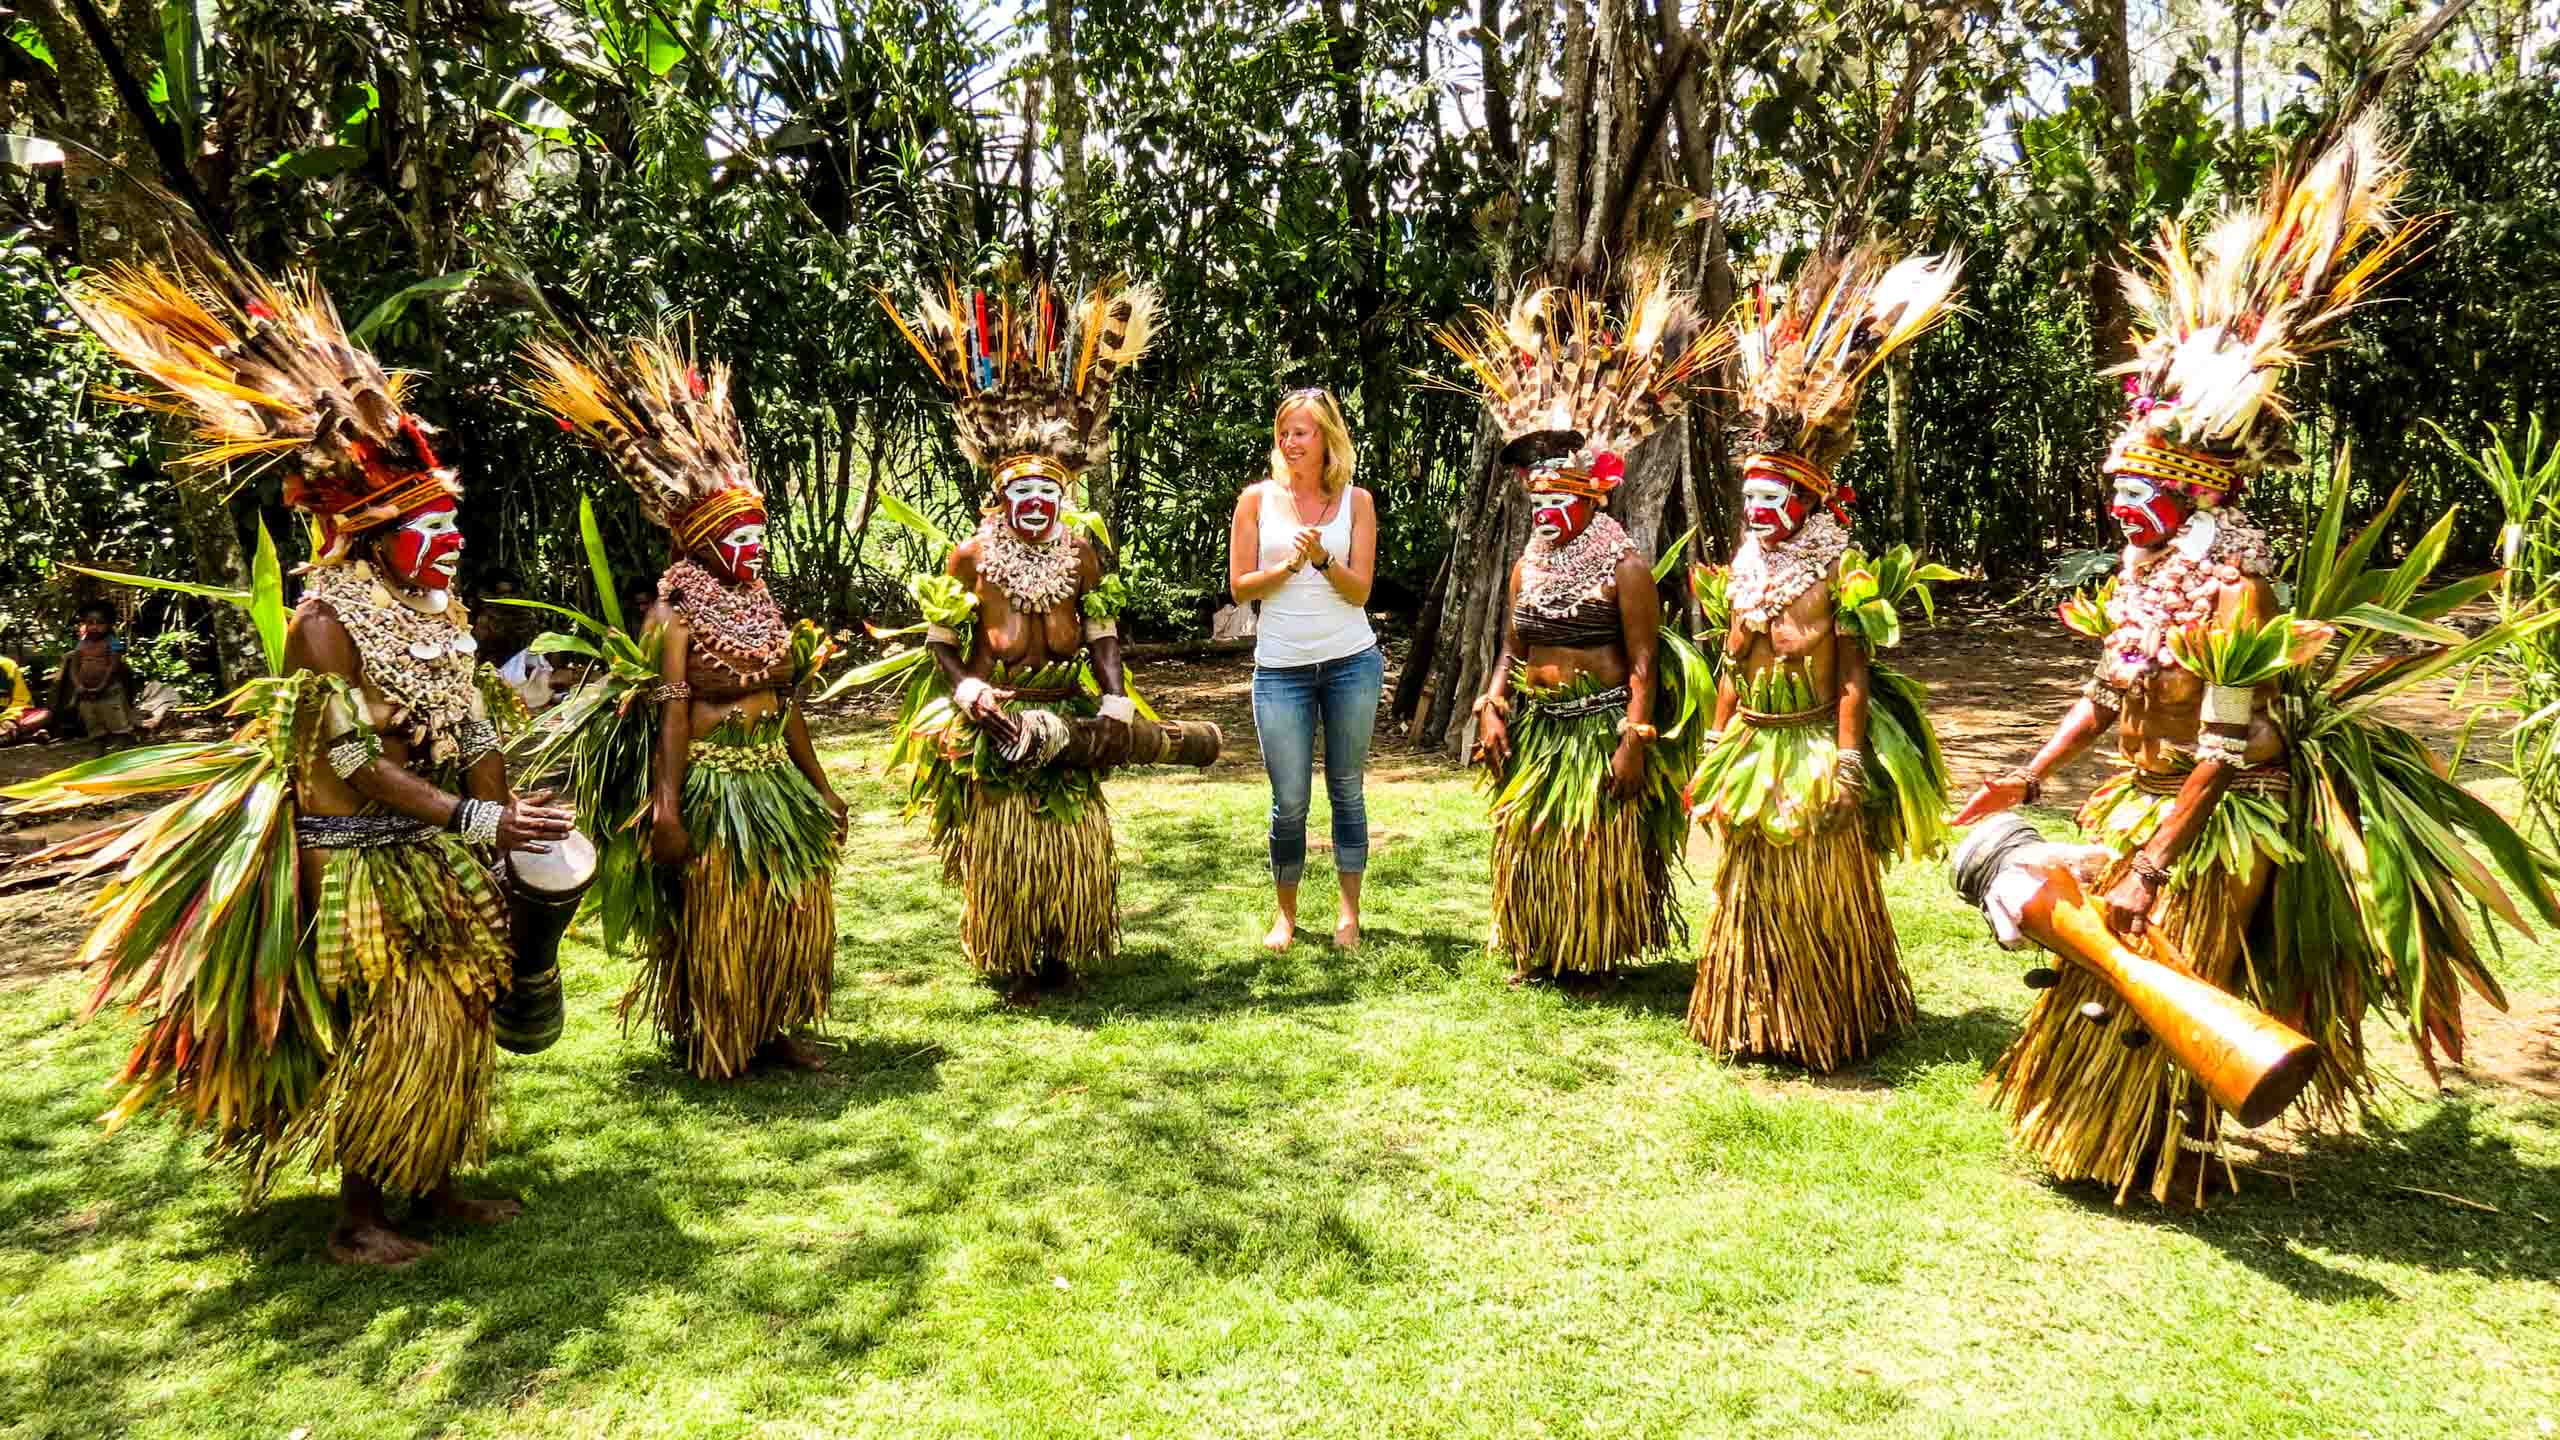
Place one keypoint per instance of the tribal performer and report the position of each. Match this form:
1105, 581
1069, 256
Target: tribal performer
1822, 762
1023, 635
2292, 848
736, 917
1586, 732
313, 930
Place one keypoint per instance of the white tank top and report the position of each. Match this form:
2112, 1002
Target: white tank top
1305, 621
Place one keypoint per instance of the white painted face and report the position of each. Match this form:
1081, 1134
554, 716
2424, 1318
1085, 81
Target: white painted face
1767, 507
1031, 505
742, 551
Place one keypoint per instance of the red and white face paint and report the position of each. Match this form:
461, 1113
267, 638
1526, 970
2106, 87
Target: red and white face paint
1773, 510
427, 547
1032, 502
2149, 513
1556, 516
739, 555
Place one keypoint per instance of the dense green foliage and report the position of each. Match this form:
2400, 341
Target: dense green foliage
1313, 183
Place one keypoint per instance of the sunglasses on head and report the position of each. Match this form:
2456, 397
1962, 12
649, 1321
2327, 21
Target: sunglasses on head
1312, 392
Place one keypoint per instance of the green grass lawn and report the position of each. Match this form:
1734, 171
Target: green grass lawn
1227, 1194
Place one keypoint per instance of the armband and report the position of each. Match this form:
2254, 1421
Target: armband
355, 752
670, 691
1850, 769
1644, 734
2227, 705
476, 738
476, 821
2149, 869
1101, 630
1120, 708
2224, 748
1498, 704
937, 633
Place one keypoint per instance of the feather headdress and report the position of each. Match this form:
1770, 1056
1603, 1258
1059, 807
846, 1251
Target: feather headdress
1804, 359
1558, 367
2218, 327
663, 420
1030, 376
268, 373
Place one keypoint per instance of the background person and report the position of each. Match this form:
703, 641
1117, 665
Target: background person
1304, 545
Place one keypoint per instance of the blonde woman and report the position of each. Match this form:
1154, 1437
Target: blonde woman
1304, 549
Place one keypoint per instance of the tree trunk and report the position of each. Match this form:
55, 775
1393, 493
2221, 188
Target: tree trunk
2110, 320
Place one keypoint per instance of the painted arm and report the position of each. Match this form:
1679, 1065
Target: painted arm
669, 842
1640, 629
1493, 708
1244, 552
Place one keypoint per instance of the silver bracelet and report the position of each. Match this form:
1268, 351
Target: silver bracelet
476, 821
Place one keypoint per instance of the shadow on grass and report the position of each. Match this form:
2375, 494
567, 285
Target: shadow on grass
2444, 1195
862, 1069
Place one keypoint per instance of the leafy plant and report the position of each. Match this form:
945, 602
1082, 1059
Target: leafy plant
1872, 593
2522, 678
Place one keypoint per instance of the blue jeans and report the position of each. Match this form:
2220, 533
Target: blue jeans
1287, 701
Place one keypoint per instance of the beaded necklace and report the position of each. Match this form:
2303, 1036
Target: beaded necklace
2214, 548
1561, 577
736, 627
1767, 578
1036, 578
424, 664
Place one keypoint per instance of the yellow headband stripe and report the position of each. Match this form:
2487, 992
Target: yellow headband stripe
1793, 468
2165, 462
1009, 470
1570, 482
711, 516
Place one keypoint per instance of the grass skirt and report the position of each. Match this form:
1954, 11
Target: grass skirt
417, 935
1800, 959
1036, 890
1028, 846
2090, 1107
749, 954
1582, 884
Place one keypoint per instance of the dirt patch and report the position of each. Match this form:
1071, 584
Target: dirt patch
45, 928
2519, 1050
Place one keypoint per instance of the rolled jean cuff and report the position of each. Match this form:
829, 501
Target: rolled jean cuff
1288, 874
1349, 861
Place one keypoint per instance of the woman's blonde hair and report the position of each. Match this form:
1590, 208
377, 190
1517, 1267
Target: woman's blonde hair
1338, 458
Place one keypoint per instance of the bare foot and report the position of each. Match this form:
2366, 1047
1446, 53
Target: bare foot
448, 1203
1282, 931
356, 1242
792, 1053
1346, 932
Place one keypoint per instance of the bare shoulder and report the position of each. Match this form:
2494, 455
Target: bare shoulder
1249, 501
316, 639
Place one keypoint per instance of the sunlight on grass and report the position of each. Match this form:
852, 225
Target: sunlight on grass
1223, 1193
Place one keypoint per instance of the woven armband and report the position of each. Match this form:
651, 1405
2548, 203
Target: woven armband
2227, 705
1101, 630
477, 738
1851, 771
669, 691
2223, 748
937, 633
1120, 708
359, 749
